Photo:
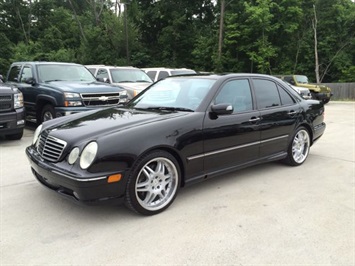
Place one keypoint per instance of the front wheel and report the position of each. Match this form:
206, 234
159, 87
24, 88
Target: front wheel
298, 150
153, 183
47, 113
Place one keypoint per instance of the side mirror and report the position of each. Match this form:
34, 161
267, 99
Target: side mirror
30, 81
292, 82
222, 109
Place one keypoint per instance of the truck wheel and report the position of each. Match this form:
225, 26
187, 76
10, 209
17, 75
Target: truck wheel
15, 136
47, 113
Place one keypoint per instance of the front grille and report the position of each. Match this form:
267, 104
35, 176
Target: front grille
5, 102
100, 99
50, 147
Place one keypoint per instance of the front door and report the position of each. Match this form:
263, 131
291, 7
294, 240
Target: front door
232, 140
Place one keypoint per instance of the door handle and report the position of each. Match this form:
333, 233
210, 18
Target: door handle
254, 119
292, 112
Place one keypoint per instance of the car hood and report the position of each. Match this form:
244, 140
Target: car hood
81, 87
98, 123
139, 86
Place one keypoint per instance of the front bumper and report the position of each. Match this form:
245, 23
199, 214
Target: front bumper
92, 190
12, 122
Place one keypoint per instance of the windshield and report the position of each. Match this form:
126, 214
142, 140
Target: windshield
62, 72
129, 75
174, 93
301, 79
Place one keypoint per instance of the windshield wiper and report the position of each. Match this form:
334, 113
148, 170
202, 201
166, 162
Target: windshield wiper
126, 81
54, 80
142, 80
171, 108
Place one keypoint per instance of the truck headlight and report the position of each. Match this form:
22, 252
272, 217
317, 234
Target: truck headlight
18, 99
72, 99
36, 134
88, 155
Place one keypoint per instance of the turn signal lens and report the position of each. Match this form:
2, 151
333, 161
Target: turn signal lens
114, 178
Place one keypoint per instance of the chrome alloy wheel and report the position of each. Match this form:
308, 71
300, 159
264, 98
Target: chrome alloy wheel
300, 146
156, 184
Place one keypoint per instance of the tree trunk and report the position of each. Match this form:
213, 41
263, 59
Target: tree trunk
221, 24
314, 24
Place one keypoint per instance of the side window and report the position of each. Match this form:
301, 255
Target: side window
237, 93
92, 70
163, 74
26, 74
102, 73
267, 94
152, 74
286, 99
14, 73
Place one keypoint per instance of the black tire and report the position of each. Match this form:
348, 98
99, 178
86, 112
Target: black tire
325, 101
298, 149
47, 113
16, 136
153, 183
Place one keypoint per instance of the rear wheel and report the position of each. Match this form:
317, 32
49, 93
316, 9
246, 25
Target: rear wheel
153, 183
299, 147
47, 113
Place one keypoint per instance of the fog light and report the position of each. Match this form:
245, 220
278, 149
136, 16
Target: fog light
20, 122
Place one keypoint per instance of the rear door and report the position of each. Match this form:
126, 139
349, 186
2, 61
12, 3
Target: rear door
279, 112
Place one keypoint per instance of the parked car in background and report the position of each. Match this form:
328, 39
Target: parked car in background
158, 73
143, 151
12, 112
53, 89
319, 92
304, 92
134, 80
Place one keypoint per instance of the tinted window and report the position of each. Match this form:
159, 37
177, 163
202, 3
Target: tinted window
14, 72
152, 74
163, 74
26, 74
267, 94
102, 73
286, 99
237, 93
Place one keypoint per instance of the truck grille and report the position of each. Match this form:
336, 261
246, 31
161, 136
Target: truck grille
100, 99
5, 102
50, 147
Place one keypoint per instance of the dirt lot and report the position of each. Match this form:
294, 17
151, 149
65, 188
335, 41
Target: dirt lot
271, 214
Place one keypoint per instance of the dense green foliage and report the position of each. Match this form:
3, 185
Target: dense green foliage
260, 36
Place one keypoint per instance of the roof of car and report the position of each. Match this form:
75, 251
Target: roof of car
111, 67
45, 63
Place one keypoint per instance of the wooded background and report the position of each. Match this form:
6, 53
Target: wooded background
256, 36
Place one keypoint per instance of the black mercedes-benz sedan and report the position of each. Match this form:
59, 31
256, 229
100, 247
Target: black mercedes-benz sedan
178, 131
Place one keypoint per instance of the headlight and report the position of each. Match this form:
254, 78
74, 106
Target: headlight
123, 92
88, 155
36, 134
71, 95
73, 156
70, 99
18, 100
